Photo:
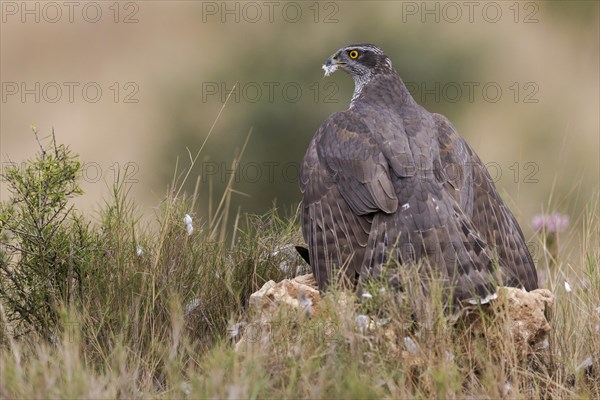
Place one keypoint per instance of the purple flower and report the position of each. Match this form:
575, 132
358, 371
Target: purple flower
552, 223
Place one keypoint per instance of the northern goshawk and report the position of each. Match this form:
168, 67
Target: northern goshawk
387, 183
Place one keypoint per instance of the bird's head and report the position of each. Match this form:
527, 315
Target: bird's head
359, 60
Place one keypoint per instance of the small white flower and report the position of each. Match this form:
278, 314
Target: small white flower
139, 250
567, 287
367, 295
187, 219
189, 229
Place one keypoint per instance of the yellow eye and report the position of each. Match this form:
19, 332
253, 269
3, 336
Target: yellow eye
353, 54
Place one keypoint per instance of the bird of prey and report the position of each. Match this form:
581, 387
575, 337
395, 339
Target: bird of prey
387, 183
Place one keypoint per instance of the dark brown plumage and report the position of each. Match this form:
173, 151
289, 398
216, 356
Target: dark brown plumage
388, 183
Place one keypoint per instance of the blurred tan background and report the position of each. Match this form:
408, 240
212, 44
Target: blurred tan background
520, 81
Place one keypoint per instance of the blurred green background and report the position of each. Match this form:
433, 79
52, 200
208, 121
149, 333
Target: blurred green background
519, 80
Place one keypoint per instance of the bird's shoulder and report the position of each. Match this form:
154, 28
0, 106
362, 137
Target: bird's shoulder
343, 135
346, 124
345, 156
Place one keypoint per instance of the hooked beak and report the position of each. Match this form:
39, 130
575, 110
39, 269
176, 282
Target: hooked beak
331, 65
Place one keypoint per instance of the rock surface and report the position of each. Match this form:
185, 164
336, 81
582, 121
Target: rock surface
300, 292
526, 312
524, 316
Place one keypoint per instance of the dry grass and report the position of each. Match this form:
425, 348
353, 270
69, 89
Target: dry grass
132, 337
153, 310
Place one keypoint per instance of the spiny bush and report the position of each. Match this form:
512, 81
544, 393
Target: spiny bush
45, 244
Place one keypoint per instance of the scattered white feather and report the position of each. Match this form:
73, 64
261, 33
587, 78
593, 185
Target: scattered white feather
598, 310
405, 206
410, 345
139, 250
187, 220
265, 338
382, 290
236, 329
284, 267
367, 295
568, 287
306, 303
186, 388
383, 322
545, 344
485, 300
192, 305
362, 321
295, 351
330, 69
588, 362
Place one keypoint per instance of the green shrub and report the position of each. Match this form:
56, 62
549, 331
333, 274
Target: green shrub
44, 242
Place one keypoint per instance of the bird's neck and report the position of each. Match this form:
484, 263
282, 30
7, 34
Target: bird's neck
386, 89
360, 81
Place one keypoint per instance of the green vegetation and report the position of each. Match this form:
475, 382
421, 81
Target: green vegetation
107, 307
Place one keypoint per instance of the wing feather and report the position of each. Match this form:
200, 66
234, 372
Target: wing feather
366, 203
479, 199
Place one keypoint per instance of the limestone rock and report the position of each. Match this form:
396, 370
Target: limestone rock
522, 315
300, 292
526, 312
